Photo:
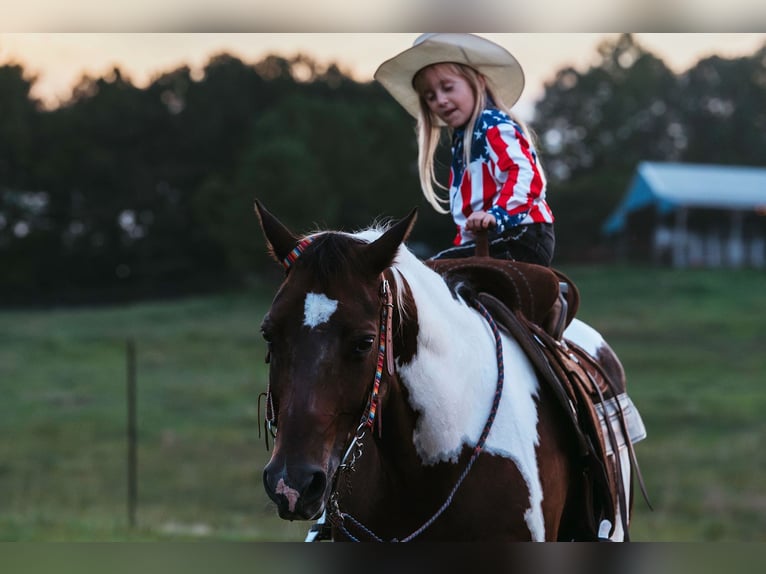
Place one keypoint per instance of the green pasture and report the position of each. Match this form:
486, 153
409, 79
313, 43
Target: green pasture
693, 344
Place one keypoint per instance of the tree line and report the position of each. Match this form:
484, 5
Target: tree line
124, 192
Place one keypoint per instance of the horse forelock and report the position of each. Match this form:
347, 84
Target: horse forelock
334, 253
332, 256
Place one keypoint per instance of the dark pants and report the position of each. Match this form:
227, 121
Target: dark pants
533, 243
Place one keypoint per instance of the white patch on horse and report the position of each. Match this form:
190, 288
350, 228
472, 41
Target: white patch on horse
290, 494
318, 309
584, 336
452, 379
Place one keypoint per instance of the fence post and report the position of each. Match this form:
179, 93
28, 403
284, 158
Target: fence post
132, 432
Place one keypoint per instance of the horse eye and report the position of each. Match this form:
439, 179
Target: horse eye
363, 345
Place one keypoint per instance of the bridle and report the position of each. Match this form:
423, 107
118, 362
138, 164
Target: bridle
354, 450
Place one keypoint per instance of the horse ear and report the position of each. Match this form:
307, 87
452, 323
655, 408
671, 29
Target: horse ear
381, 252
280, 239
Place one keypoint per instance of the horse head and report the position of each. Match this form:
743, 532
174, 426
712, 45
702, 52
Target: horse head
322, 331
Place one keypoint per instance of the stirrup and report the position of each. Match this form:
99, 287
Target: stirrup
603, 531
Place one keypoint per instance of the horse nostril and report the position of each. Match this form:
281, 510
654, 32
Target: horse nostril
297, 493
266, 481
316, 487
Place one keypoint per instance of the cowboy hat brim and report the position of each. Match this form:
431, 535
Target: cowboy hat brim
500, 67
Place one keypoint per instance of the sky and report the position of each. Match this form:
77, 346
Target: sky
58, 60
382, 15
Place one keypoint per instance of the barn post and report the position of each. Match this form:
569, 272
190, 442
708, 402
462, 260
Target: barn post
657, 245
735, 253
679, 242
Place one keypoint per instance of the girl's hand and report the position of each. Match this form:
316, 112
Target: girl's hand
479, 221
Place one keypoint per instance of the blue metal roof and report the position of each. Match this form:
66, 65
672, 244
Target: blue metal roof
672, 185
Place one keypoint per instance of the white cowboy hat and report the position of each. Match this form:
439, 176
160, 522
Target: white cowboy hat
501, 69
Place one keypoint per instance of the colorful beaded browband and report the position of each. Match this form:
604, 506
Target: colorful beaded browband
288, 261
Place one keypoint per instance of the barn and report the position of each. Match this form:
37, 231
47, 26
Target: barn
692, 215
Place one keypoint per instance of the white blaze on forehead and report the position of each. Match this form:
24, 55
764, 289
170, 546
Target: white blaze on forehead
318, 309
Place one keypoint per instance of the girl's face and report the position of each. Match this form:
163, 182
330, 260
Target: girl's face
447, 94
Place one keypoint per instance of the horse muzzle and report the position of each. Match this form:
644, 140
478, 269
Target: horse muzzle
299, 491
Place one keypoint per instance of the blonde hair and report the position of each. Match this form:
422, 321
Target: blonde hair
429, 130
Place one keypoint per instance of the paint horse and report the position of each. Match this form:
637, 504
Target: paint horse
394, 424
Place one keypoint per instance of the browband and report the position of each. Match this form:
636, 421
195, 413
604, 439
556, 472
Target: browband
288, 261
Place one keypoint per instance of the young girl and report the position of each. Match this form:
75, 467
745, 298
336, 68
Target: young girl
467, 84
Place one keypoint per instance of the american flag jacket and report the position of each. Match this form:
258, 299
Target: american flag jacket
503, 176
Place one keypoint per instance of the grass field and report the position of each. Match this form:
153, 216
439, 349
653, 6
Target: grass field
692, 344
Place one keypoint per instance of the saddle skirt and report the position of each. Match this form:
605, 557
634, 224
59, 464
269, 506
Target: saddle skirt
534, 304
